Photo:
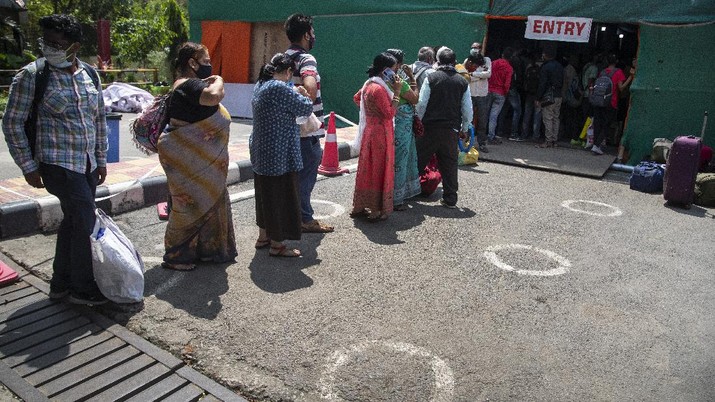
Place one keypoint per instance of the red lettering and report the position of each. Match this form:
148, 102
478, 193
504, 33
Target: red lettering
548, 27
559, 24
569, 28
580, 26
537, 26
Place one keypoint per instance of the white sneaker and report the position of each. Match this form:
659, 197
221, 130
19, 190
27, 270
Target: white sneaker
596, 150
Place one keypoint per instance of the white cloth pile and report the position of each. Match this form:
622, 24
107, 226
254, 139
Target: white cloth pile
121, 97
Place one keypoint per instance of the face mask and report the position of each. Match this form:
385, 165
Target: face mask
56, 57
204, 71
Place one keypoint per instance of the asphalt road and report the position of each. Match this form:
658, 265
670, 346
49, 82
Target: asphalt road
540, 287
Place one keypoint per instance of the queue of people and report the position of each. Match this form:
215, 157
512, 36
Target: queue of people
285, 150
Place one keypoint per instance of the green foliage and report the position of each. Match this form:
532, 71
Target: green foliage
158, 25
15, 62
3, 101
143, 32
158, 59
134, 38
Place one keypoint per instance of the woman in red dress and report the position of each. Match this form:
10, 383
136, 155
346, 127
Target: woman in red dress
378, 102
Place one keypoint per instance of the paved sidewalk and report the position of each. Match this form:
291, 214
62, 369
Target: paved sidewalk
57, 351
24, 209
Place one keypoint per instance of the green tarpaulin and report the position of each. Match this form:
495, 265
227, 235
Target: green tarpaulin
674, 86
685, 11
674, 82
279, 10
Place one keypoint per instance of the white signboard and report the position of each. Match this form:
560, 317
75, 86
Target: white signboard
564, 29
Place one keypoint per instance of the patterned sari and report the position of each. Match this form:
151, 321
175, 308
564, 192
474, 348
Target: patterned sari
375, 178
407, 177
195, 161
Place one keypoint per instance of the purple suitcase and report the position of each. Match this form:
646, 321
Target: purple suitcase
681, 169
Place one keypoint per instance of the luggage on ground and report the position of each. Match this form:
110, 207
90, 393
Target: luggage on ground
680, 171
705, 189
682, 168
647, 177
661, 149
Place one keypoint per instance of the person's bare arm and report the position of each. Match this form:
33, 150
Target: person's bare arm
214, 93
311, 85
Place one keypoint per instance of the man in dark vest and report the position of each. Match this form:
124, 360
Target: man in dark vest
445, 107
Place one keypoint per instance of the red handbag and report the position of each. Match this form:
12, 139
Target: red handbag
430, 177
418, 129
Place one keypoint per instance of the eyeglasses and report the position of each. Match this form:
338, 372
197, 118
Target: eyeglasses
57, 46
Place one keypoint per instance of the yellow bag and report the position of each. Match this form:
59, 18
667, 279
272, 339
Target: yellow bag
585, 128
468, 158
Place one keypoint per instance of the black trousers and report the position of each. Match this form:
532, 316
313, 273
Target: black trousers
602, 119
442, 142
72, 268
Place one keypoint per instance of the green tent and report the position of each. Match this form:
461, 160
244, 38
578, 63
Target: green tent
674, 83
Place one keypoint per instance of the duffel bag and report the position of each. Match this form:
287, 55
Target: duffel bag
647, 177
705, 190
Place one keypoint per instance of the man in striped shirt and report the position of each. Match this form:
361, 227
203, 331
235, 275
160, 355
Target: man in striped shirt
299, 29
70, 152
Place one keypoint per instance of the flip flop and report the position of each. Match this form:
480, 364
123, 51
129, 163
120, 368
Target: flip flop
400, 207
376, 218
262, 243
284, 252
178, 267
316, 227
357, 214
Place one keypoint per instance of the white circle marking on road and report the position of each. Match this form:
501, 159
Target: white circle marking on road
615, 211
337, 209
443, 376
492, 257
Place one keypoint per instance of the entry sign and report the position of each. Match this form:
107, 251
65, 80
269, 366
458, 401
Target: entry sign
564, 29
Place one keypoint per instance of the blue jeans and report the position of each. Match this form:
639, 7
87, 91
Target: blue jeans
531, 125
72, 268
496, 103
515, 102
312, 155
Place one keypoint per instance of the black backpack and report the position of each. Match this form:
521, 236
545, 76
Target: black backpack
602, 92
42, 75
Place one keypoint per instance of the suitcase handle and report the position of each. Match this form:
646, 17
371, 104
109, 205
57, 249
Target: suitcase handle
705, 123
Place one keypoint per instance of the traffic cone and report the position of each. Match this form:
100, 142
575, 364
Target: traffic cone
329, 166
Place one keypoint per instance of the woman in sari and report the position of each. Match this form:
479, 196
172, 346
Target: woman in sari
275, 155
194, 154
407, 177
375, 178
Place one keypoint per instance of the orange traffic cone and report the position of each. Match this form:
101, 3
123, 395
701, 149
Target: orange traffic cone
329, 166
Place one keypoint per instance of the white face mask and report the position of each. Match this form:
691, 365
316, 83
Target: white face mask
56, 57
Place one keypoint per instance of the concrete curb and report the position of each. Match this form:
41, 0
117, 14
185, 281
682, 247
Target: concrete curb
43, 215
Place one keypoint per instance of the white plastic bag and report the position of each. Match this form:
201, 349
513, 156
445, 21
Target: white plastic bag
308, 124
118, 267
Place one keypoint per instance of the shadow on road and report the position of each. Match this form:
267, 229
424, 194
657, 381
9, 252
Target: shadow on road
282, 274
197, 292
